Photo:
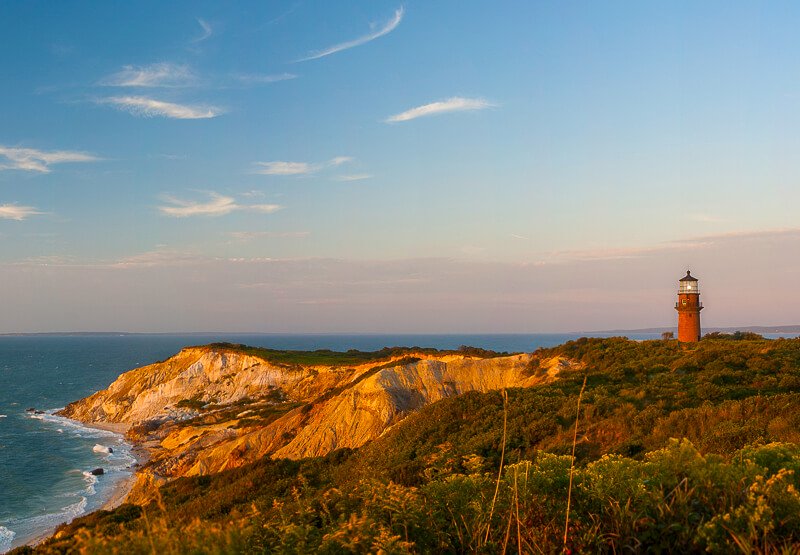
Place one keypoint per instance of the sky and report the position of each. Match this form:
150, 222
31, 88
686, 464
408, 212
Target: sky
397, 167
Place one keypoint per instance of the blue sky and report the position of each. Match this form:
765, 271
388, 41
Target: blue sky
385, 166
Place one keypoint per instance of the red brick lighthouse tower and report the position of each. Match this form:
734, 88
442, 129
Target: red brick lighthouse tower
688, 307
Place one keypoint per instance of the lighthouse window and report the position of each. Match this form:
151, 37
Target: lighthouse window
683, 302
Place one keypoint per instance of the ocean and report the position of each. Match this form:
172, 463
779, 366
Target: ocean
45, 460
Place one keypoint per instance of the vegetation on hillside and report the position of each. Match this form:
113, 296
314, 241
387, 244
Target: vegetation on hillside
680, 448
353, 357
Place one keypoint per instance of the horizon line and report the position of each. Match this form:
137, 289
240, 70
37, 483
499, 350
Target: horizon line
790, 328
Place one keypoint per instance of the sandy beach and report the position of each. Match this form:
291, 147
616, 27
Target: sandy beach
119, 493
123, 487
116, 427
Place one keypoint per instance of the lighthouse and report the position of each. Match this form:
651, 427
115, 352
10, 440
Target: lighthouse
688, 307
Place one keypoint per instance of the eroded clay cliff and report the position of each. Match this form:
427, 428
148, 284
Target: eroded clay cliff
208, 409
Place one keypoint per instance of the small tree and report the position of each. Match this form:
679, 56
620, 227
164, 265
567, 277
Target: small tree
667, 335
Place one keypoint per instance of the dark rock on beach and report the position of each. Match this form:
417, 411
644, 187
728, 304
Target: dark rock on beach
98, 472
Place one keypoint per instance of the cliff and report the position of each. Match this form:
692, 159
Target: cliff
208, 409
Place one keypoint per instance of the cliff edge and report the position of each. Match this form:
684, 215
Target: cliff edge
211, 408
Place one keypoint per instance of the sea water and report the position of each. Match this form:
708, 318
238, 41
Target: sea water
45, 460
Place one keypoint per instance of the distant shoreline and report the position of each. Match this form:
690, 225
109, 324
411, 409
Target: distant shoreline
753, 329
794, 328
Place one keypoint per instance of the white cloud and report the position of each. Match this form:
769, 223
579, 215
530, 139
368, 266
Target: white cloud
162, 74
298, 168
284, 168
218, 205
260, 79
31, 159
149, 107
15, 212
353, 177
455, 104
166, 156
253, 193
339, 160
622, 253
207, 31
387, 28
262, 208
161, 257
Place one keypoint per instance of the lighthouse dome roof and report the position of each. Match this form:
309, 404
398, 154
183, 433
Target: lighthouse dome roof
688, 277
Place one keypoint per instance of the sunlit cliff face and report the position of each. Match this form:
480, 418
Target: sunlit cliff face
205, 410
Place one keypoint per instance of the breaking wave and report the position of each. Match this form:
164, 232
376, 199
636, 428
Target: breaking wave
6, 537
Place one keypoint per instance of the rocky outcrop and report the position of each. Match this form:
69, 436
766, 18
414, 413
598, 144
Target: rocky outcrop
209, 409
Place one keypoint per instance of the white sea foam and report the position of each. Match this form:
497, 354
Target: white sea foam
76, 509
95, 490
34, 526
6, 537
54, 519
90, 480
3, 416
120, 460
74, 426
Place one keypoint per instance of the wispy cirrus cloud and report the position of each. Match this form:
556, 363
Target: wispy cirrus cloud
263, 78
339, 160
150, 107
454, 104
16, 212
217, 205
280, 167
385, 29
160, 257
34, 160
163, 74
284, 168
207, 31
675, 246
354, 177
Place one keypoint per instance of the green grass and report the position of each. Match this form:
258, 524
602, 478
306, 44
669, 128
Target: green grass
325, 357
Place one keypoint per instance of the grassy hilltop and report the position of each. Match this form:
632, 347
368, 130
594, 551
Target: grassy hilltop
679, 448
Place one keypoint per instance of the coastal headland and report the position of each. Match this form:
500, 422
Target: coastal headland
213, 408
412, 450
